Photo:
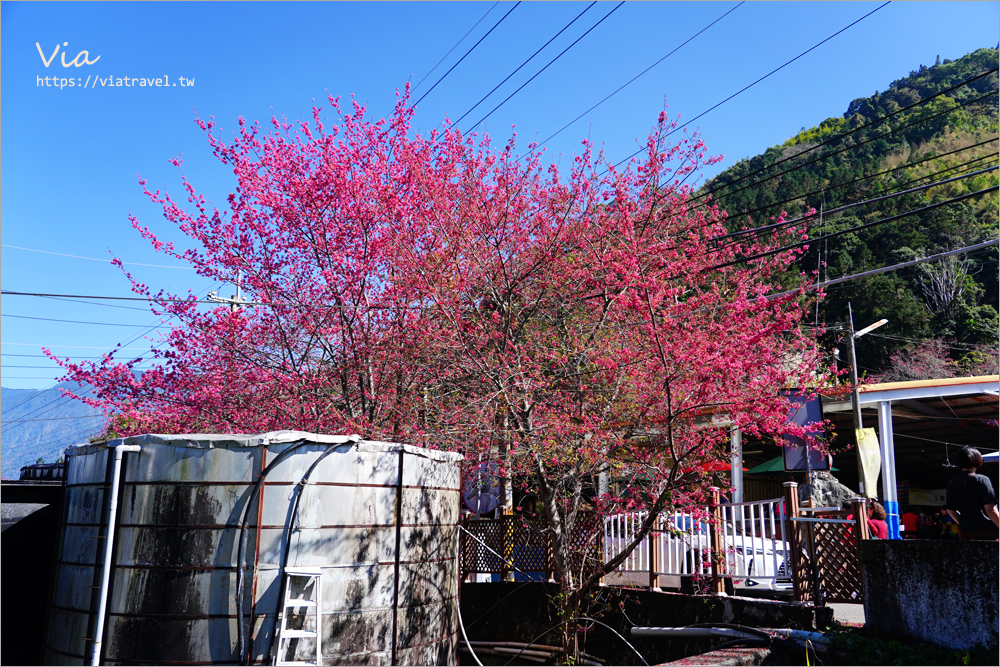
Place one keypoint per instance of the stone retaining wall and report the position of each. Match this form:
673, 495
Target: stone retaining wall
941, 592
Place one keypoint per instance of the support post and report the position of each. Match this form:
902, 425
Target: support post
736, 436
860, 510
718, 550
887, 448
653, 540
855, 396
794, 554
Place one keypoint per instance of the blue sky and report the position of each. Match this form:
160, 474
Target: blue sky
70, 156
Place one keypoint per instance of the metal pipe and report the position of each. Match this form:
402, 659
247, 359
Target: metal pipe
888, 454
109, 545
736, 438
728, 633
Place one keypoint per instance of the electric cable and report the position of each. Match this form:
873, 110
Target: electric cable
630, 81
850, 230
865, 178
35, 412
47, 419
615, 632
41, 367
745, 88
104, 324
845, 207
615, 9
492, 7
97, 303
886, 269
467, 53
852, 146
40, 356
97, 259
564, 28
850, 132
950, 346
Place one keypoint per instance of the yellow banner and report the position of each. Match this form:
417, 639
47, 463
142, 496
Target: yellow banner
933, 497
870, 460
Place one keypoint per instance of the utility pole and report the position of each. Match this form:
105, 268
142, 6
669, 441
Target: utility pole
855, 397
855, 394
236, 300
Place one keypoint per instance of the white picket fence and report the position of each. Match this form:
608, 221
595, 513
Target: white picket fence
753, 538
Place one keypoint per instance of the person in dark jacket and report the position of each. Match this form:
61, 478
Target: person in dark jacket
971, 501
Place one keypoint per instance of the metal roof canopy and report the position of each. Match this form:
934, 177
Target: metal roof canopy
928, 417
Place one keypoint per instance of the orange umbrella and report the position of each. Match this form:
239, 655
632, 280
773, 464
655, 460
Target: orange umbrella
712, 466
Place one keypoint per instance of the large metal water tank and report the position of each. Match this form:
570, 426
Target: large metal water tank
378, 520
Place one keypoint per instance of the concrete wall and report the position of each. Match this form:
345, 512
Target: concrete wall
521, 611
941, 592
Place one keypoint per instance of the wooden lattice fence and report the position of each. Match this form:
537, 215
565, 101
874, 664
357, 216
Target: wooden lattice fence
513, 544
825, 551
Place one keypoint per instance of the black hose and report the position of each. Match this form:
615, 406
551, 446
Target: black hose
241, 631
293, 515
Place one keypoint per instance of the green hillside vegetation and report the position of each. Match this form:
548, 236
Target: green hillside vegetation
955, 300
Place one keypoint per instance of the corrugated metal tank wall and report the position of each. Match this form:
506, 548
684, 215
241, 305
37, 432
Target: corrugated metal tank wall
174, 580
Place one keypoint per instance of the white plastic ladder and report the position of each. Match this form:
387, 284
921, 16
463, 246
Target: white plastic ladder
302, 591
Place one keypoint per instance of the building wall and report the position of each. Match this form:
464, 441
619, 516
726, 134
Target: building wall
936, 591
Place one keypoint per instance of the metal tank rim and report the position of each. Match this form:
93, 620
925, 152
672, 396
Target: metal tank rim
225, 440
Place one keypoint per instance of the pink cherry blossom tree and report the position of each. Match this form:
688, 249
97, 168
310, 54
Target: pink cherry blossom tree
442, 291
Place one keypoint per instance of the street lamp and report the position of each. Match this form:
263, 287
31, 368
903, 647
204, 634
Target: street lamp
855, 398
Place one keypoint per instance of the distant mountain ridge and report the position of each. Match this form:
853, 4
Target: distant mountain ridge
936, 123
42, 424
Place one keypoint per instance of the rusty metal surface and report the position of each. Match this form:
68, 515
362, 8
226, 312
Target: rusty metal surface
173, 585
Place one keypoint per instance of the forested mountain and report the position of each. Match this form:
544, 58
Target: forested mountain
937, 123
41, 424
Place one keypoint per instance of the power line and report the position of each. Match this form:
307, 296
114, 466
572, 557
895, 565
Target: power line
565, 27
950, 346
847, 134
95, 303
745, 88
78, 347
851, 147
46, 419
492, 7
549, 63
801, 166
851, 229
120, 346
42, 356
467, 53
879, 173
939, 442
845, 207
97, 259
159, 300
105, 324
630, 81
887, 269
44, 367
